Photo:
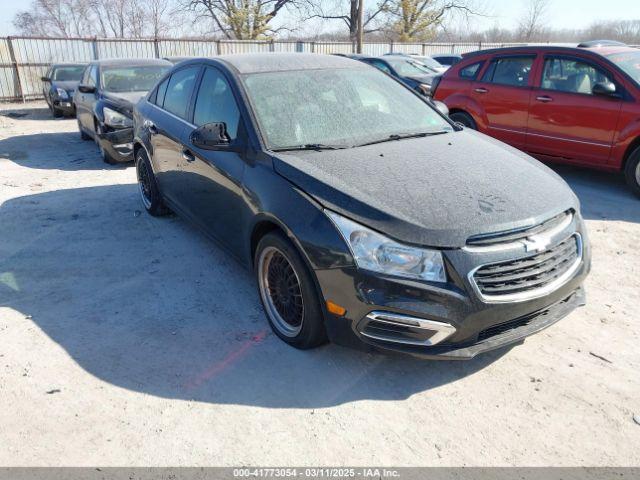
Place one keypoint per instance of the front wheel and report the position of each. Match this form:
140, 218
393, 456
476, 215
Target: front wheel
632, 171
83, 134
148, 187
464, 119
288, 293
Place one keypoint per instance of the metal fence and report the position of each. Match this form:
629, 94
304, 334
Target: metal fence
23, 60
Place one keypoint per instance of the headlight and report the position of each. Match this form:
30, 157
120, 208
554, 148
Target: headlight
375, 252
62, 93
116, 119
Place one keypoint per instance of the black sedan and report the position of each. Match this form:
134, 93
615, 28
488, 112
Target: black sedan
413, 73
367, 216
60, 82
104, 102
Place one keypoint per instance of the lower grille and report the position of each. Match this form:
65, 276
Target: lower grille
531, 275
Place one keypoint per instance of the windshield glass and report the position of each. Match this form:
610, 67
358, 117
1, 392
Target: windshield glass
70, 73
429, 62
131, 79
406, 67
629, 62
343, 107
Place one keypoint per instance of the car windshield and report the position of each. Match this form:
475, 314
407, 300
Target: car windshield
339, 108
429, 62
70, 73
132, 79
629, 62
408, 67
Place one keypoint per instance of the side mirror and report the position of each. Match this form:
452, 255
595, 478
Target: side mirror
86, 89
210, 135
441, 107
604, 89
45, 79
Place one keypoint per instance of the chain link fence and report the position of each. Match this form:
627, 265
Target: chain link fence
23, 60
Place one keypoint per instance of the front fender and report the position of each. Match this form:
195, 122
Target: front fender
277, 201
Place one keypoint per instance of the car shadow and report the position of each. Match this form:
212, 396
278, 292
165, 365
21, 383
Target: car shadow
21, 112
58, 151
150, 305
603, 195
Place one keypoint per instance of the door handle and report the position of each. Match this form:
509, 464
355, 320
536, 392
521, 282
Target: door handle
481, 90
544, 99
188, 156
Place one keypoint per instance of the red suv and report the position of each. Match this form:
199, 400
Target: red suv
572, 105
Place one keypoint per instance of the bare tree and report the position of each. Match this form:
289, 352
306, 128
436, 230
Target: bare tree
62, 18
240, 19
346, 11
418, 20
531, 24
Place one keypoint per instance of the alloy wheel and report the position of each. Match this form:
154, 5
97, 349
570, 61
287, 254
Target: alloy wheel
280, 291
144, 182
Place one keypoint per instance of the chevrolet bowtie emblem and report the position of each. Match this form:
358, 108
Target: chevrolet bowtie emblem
535, 244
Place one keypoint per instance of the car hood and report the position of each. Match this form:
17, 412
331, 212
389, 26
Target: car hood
434, 191
126, 100
426, 79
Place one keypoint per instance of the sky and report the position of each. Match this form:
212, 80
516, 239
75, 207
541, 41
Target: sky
571, 14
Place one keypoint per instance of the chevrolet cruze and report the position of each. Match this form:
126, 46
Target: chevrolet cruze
368, 217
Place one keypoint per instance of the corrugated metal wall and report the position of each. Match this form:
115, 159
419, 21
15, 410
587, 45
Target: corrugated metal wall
23, 60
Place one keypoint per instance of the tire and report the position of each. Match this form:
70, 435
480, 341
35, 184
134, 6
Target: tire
148, 186
294, 295
106, 156
465, 119
632, 171
83, 134
56, 113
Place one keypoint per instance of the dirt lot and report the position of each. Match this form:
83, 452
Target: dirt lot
131, 340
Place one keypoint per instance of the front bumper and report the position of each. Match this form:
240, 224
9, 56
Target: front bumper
119, 144
480, 326
65, 106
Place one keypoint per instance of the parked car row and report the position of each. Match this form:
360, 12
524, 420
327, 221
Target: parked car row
368, 216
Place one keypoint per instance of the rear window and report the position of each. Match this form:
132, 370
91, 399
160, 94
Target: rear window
470, 72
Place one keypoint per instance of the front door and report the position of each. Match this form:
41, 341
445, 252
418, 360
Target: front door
167, 125
85, 101
212, 190
566, 120
503, 93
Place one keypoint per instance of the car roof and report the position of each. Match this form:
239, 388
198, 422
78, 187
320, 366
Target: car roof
278, 62
603, 51
68, 64
131, 62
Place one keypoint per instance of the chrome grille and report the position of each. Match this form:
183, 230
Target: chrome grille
529, 276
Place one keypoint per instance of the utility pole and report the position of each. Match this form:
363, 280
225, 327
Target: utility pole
360, 25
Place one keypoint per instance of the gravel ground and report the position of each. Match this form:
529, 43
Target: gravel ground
130, 340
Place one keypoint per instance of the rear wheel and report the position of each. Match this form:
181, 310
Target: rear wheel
288, 293
632, 171
465, 119
148, 187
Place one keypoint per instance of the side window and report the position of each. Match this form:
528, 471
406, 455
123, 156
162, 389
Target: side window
178, 91
513, 71
570, 75
160, 92
215, 102
381, 66
470, 72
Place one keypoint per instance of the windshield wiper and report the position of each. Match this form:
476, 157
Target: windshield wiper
310, 146
402, 136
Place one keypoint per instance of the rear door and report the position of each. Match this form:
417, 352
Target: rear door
503, 93
212, 190
167, 124
567, 121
